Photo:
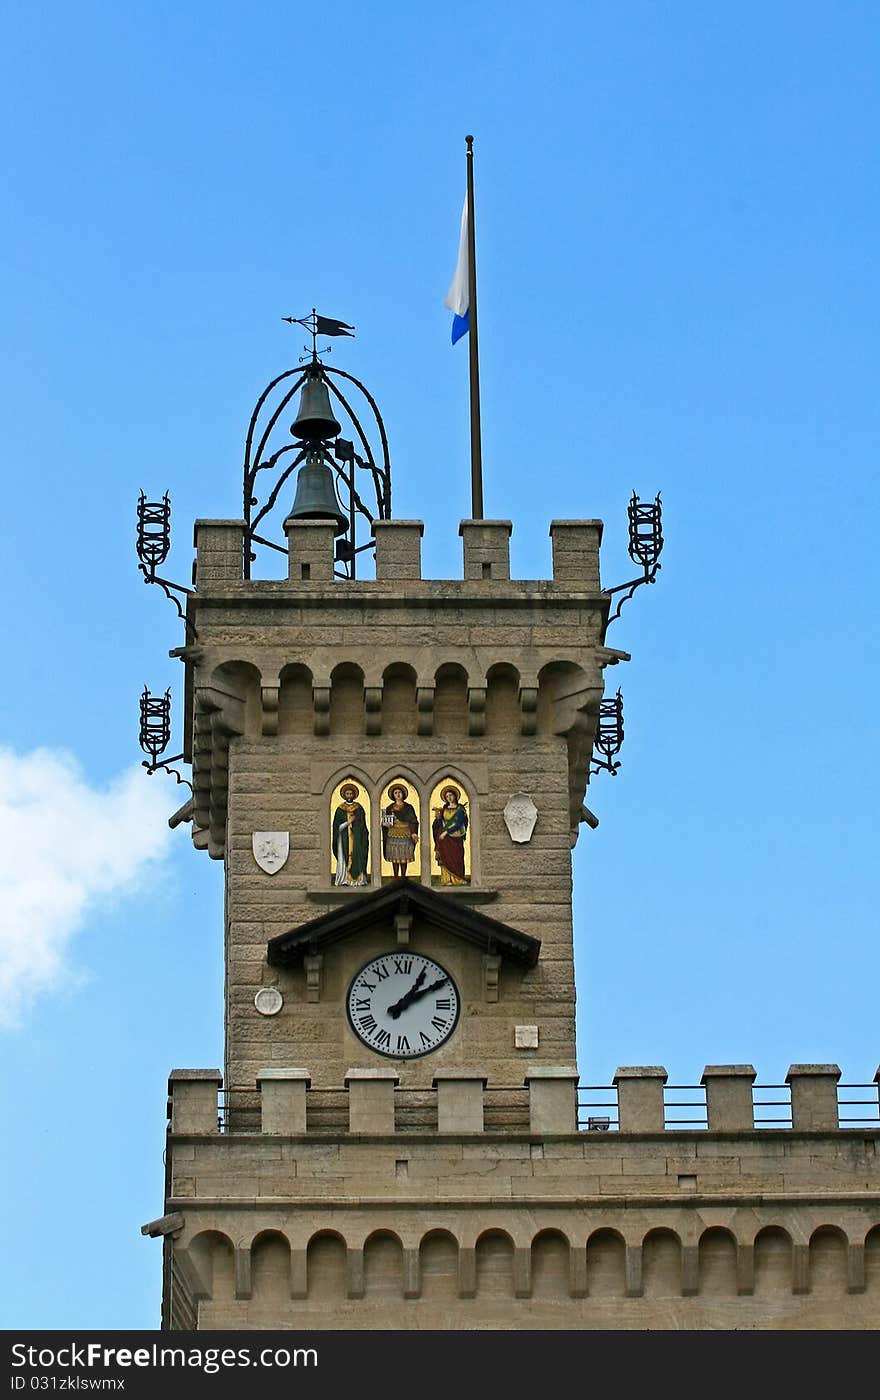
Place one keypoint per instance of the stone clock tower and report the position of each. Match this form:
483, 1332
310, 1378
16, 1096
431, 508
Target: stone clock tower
393, 771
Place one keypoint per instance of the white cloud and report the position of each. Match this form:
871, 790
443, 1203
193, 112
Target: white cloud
64, 847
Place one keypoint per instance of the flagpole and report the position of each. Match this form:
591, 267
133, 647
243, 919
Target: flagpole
473, 346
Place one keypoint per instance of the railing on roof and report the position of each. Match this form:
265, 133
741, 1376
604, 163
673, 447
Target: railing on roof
506, 1109
771, 1105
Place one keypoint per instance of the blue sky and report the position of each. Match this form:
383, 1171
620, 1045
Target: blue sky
677, 215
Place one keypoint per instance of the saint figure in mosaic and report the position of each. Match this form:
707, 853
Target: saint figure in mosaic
400, 829
351, 838
449, 829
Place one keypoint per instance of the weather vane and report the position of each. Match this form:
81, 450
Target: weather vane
319, 325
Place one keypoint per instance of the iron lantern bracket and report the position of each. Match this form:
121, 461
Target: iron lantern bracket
644, 520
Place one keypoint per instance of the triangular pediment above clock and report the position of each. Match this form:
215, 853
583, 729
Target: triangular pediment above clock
403, 897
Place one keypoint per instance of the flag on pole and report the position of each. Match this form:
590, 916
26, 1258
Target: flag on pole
457, 296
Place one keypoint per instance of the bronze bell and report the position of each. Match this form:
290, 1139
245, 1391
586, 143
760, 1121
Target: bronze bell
315, 421
316, 493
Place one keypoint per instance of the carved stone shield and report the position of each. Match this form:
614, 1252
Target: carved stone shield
520, 816
271, 849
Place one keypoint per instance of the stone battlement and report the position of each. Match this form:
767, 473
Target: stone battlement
283, 1102
485, 548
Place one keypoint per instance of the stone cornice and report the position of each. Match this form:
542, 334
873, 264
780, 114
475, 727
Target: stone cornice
693, 1200
427, 594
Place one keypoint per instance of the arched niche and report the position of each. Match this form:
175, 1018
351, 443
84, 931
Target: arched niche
494, 1260
451, 832
661, 1264
551, 1265
717, 1263
502, 701
270, 1267
451, 701
213, 1256
295, 705
243, 680
399, 828
606, 1264
872, 1261
438, 1265
349, 840
326, 1267
346, 700
772, 1261
383, 1266
828, 1261
399, 715
556, 681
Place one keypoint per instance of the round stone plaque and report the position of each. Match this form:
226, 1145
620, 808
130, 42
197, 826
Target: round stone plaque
268, 1001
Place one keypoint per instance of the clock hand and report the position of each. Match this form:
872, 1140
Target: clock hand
415, 994
395, 1010
435, 986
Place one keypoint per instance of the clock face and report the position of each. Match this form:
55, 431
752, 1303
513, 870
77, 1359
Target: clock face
403, 1005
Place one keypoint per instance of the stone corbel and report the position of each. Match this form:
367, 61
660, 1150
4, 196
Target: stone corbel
610, 656
491, 976
189, 655
425, 709
314, 966
528, 705
269, 696
299, 1287
373, 709
412, 1282
467, 1271
402, 928
321, 707
855, 1267
193, 1279
633, 1270
522, 1271
171, 1224
476, 711
219, 716
577, 1272
745, 1270
800, 1268
243, 1282
585, 815
690, 1271
355, 1270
